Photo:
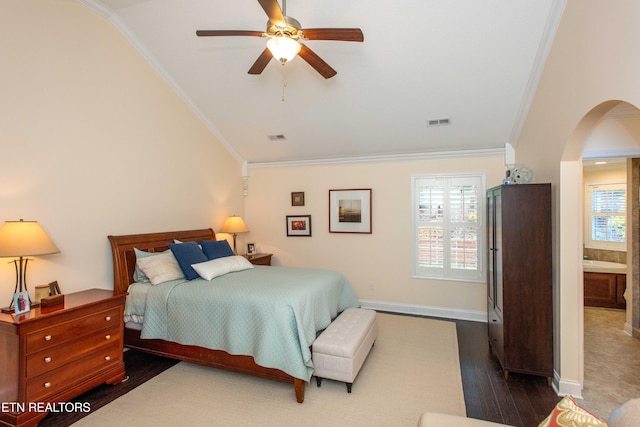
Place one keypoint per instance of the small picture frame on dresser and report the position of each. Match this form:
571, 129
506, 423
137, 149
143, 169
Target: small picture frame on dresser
21, 302
251, 249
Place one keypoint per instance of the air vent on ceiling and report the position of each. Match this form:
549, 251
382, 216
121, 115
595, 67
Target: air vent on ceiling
439, 122
279, 137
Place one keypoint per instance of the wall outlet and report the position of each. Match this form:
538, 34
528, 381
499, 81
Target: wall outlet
372, 286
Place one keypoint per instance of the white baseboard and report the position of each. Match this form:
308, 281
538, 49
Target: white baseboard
566, 387
424, 310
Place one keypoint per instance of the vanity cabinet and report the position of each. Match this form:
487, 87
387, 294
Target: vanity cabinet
519, 278
605, 290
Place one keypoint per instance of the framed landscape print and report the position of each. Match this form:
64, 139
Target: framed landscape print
350, 211
299, 225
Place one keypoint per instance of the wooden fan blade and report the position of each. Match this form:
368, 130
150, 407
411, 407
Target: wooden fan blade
316, 62
261, 62
273, 11
341, 34
214, 33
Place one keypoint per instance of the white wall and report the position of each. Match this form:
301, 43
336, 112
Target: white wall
383, 257
93, 142
592, 66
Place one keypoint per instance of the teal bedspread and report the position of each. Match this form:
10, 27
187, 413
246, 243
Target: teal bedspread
270, 313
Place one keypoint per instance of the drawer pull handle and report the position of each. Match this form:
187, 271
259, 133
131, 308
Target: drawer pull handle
47, 385
108, 337
47, 338
108, 318
47, 360
107, 358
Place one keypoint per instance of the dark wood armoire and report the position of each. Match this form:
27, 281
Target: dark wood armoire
519, 278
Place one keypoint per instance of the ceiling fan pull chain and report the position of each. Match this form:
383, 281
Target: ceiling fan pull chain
284, 81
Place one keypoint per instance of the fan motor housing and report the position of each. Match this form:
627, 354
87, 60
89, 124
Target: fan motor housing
291, 29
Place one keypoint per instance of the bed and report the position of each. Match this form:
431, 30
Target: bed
255, 309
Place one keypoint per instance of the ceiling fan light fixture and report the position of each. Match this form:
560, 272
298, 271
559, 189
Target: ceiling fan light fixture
283, 48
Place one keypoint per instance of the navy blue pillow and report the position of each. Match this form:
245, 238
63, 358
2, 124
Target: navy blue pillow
186, 254
216, 248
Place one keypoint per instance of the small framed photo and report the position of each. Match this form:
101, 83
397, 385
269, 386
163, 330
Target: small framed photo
21, 302
299, 225
251, 249
350, 211
54, 288
297, 198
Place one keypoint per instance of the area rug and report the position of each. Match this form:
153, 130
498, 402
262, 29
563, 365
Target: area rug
413, 367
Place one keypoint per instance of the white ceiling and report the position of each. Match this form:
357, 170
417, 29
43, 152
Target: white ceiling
473, 62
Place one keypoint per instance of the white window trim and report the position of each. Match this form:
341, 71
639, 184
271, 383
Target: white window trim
588, 242
480, 275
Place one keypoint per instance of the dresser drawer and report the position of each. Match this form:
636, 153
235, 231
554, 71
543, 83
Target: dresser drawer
54, 357
52, 382
45, 338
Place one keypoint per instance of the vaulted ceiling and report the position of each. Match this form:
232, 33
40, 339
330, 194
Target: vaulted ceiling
474, 64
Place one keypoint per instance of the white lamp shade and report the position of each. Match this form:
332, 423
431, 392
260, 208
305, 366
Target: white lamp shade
234, 224
24, 238
284, 49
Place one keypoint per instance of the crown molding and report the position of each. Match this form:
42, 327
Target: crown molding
434, 155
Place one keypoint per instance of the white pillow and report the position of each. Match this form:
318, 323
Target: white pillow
217, 267
160, 268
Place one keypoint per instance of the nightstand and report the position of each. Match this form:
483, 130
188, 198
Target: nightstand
53, 354
259, 259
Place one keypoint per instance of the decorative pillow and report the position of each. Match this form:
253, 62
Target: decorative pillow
160, 268
220, 266
138, 274
186, 254
216, 248
568, 414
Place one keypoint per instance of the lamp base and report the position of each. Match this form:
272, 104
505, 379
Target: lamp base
8, 309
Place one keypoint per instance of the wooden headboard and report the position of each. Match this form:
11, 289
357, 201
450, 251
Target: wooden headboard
124, 257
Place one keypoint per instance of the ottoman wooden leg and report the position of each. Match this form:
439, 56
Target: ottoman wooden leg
319, 381
349, 387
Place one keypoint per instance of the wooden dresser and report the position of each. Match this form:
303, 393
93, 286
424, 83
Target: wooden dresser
51, 355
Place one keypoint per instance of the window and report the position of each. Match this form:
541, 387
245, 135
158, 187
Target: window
448, 227
606, 217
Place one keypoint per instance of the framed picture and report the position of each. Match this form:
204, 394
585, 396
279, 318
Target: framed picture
54, 288
350, 211
251, 249
297, 198
21, 302
299, 225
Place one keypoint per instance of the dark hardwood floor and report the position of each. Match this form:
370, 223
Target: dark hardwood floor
522, 401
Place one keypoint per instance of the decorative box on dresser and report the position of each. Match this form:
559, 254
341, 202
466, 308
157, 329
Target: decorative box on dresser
519, 278
51, 355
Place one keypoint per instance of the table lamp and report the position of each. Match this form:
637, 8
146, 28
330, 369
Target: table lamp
234, 225
22, 239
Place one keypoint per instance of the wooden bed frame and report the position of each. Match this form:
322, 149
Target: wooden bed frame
124, 260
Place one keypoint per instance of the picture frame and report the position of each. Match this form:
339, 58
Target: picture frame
251, 249
350, 211
297, 198
21, 302
54, 288
299, 225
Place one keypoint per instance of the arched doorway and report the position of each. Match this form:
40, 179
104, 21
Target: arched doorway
571, 308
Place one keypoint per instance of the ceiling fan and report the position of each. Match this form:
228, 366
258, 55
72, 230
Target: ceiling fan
284, 35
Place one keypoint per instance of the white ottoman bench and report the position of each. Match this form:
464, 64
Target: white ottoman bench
339, 352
